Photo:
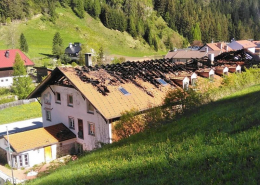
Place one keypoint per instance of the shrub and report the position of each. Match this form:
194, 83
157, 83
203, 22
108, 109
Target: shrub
130, 123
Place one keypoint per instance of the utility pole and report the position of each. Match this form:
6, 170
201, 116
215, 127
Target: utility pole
10, 155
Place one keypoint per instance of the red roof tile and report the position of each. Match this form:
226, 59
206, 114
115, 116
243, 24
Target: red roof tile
8, 62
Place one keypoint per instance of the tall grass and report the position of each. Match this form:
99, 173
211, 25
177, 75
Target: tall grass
216, 144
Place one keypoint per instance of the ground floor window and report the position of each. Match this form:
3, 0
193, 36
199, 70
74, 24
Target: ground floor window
91, 127
21, 160
80, 127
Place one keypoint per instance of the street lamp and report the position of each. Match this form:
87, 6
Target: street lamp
10, 155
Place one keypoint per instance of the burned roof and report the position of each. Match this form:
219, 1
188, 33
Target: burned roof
242, 57
101, 85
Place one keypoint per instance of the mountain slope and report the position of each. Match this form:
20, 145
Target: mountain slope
39, 33
216, 144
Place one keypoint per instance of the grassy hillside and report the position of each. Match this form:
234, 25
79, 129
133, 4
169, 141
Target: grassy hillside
88, 31
216, 144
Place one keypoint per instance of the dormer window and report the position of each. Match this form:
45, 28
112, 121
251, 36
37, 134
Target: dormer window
193, 81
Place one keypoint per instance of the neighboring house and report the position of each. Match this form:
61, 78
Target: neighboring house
7, 58
243, 44
219, 46
257, 48
39, 145
73, 50
186, 55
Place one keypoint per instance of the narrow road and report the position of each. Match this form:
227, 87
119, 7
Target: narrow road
21, 126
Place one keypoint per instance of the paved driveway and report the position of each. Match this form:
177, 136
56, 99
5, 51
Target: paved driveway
21, 126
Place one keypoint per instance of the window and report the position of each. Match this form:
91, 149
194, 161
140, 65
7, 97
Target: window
23, 160
6, 80
186, 86
80, 127
161, 81
211, 77
124, 91
48, 115
2, 80
58, 99
26, 160
193, 81
70, 100
20, 160
71, 123
91, 128
90, 107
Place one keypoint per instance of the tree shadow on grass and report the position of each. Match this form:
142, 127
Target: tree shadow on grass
48, 55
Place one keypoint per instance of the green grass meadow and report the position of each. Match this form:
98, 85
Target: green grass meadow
39, 35
20, 113
216, 144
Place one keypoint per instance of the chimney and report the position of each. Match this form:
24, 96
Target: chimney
88, 59
7, 53
70, 45
211, 58
227, 48
206, 49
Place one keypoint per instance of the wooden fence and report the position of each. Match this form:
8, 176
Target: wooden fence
16, 103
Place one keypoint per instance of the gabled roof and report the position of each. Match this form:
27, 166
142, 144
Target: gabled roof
73, 48
103, 86
6, 62
246, 43
40, 137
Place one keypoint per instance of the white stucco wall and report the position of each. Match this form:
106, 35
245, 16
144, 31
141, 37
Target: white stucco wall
225, 70
252, 50
238, 68
6, 81
186, 80
60, 113
3, 144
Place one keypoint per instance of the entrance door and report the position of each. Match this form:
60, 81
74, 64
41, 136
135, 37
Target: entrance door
47, 152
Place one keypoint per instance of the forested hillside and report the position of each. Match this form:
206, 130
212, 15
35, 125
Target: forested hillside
205, 20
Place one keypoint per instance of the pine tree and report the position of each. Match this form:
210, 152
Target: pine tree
21, 82
18, 67
57, 45
23, 43
96, 8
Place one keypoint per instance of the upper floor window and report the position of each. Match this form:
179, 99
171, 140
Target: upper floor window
71, 123
70, 100
48, 115
58, 98
90, 107
91, 128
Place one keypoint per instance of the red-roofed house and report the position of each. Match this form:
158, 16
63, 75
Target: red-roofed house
242, 44
7, 58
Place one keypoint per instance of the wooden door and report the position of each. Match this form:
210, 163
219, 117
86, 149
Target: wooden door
47, 152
